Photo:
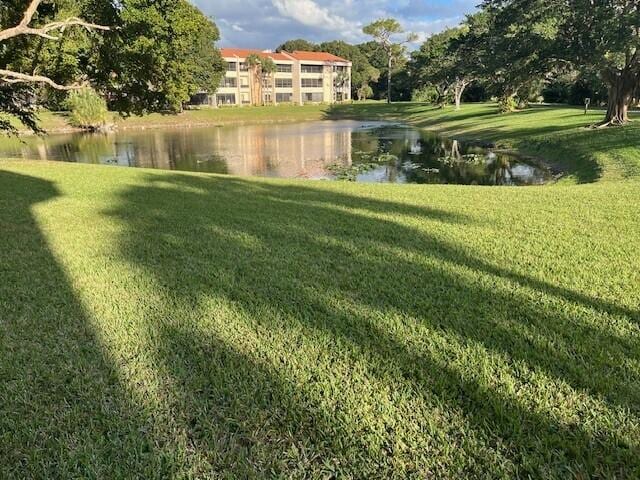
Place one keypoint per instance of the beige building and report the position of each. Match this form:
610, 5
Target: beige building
301, 77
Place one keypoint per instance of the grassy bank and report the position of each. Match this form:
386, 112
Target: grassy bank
57, 122
155, 324
556, 134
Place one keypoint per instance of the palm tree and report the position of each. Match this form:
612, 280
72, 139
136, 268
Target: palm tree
269, 70
341, 80
254, 64
261, 70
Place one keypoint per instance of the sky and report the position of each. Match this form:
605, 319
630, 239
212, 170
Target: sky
265, 24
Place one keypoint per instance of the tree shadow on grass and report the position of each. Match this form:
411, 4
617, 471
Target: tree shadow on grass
320, 269
63, 411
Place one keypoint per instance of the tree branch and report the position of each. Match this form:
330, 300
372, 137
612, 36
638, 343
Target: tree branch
8, 76
23, 27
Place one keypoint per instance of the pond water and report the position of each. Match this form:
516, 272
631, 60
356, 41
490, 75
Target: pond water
364, 151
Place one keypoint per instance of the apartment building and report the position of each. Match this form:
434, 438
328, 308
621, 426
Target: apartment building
300, 77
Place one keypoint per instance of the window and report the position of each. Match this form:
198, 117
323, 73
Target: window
313, 97
284, 83
311, 83
226, 98
283, 67
284, 97
244, 82
340, 69
245, 98
243, 67
229, 82
231, 66
311, 68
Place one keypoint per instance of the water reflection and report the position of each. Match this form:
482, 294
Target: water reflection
361, 151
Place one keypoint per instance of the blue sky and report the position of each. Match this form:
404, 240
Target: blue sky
267, 23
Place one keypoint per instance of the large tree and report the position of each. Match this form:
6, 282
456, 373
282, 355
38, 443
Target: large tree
162, 53
142, 55
442, 63
602, 35
27, 29
386, 33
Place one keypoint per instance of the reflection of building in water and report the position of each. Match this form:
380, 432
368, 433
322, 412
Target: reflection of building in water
285, 150
282, 150
270, 150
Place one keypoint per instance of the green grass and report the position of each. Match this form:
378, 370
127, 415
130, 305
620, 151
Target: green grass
165, 325
54, 122
560, 135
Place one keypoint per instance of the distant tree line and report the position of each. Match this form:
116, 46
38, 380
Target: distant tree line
514, 51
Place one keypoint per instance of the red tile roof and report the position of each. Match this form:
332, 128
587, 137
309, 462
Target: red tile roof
317, 56
286, 56
245, 52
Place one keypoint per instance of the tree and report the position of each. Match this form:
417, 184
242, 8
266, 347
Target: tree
269, 69
448, 62
47, 31
16, 86
383, 31
364, 92
435, 65
362, 72
162, 53
261, 72
297, 44
142, 55
599, 35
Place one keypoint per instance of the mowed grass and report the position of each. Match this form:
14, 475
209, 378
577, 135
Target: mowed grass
55, 122
559, 135
170, 325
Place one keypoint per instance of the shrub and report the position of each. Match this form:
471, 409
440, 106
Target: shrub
87, 109
426, 94
507, 104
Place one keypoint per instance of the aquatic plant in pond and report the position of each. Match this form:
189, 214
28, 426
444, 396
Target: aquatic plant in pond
350, 172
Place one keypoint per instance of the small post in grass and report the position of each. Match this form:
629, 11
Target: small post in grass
587, 102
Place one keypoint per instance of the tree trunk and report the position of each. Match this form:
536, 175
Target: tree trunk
389, 79
621, 87
458, 91
442, 96
273, 89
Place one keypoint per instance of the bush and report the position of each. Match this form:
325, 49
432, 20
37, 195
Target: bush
588, 86
507, 104
88, 110
427, 94
556, 92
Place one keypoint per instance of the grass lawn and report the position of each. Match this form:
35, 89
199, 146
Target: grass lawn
172, 325
556, 134
54, 122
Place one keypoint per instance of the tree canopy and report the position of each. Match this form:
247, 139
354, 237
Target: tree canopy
297, 44
142, 55
161, 54
602, 36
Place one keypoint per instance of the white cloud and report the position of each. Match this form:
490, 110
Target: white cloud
268, 23
309, 13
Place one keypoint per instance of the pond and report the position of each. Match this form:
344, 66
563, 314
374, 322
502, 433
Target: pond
363, 151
